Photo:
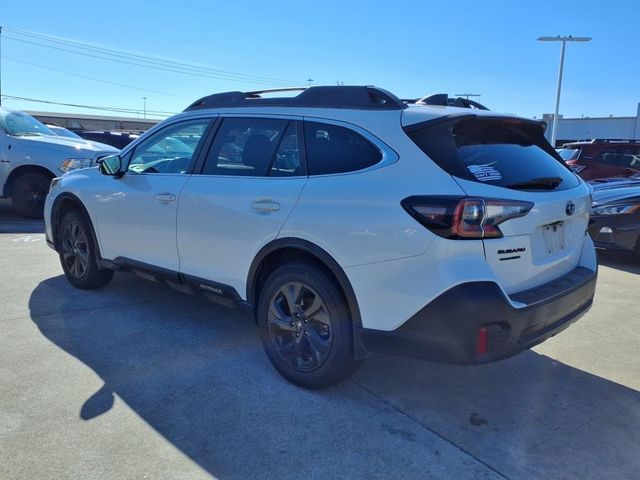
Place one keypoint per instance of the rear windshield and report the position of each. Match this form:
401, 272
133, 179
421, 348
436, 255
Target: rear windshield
568, 153
503, 152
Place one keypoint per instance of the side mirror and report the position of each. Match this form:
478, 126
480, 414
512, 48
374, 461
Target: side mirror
112, 166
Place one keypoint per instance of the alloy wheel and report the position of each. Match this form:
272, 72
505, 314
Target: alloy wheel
75, 251
300, 326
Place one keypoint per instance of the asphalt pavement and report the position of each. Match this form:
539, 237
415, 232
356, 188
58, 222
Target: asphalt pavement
138, 381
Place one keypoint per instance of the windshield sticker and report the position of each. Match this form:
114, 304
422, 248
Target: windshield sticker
484, 173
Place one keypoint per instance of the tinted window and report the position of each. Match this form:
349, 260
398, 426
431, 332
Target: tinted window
630, 157
569, 153
170, 150
334, 149
504, 153
288, 160
610, 156
620, 156
245, 146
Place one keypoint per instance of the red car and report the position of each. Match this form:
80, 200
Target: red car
602, 158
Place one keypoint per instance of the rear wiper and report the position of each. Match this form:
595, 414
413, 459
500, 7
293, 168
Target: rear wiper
541, 183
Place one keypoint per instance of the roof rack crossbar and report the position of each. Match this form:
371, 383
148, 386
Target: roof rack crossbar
352, 97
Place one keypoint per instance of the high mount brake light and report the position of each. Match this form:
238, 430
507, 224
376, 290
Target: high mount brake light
462, 218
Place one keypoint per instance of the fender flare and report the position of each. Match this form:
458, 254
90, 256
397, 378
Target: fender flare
321, 255
55, 220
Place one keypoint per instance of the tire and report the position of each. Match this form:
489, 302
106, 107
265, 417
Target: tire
305, 326
78, 253
28, 194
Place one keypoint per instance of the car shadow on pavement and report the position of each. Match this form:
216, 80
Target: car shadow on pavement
196, 373
629, 263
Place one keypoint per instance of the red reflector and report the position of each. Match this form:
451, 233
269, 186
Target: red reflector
481, 341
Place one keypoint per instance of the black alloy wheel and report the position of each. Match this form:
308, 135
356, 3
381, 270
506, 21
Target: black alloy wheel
75, 251
300, 326
305, 325
79, 253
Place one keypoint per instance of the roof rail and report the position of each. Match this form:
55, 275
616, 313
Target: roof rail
443, 99
354, 97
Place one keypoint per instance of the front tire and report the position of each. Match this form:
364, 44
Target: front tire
78, 253
28, 194
305, 326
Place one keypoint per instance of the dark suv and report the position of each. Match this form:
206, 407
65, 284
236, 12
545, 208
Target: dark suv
598, 158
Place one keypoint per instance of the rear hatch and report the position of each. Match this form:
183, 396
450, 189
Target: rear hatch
503, 161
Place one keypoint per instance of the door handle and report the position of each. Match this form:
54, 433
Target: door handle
265, 206
165, 197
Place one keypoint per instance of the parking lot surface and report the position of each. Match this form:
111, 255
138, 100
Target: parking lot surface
139, 381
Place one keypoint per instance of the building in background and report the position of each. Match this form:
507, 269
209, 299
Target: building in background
572, 129
81, 122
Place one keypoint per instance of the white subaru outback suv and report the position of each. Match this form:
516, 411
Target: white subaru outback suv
346, 221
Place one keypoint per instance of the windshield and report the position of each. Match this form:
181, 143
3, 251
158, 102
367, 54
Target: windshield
21, 124
63, 132
568, 153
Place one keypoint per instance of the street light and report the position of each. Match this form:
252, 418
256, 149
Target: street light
564, 40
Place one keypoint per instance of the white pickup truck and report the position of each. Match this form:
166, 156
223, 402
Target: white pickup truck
31, 154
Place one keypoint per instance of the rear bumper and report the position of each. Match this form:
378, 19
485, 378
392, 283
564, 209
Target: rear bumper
447, 328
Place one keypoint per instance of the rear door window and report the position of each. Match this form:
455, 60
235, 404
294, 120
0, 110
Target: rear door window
631, 157
246, 147
334, 149
609, 156
504, 152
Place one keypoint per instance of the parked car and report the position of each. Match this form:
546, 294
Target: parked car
31, 155
602, 158
346, 221
615, 215
62, 132
118, 140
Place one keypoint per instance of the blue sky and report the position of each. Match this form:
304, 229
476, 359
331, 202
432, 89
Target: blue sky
410, 48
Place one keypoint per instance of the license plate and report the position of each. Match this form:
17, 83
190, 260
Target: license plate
553, 237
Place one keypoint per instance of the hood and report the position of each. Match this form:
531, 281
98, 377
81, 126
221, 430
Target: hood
614, 182
66, 144
617, 195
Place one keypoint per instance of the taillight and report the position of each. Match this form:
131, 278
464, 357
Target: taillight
464, 218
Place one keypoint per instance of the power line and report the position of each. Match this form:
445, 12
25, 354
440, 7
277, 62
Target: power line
92, 78
173, 70
138, 57
138, 60
155, 113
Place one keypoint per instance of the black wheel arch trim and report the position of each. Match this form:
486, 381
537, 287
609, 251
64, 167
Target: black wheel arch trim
321, 255
55, 220
329, 262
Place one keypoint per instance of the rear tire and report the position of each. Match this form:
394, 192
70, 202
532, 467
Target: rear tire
28, 194
305, 326
78, 253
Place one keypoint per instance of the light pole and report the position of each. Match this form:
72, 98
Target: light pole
144, 111
564, 40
